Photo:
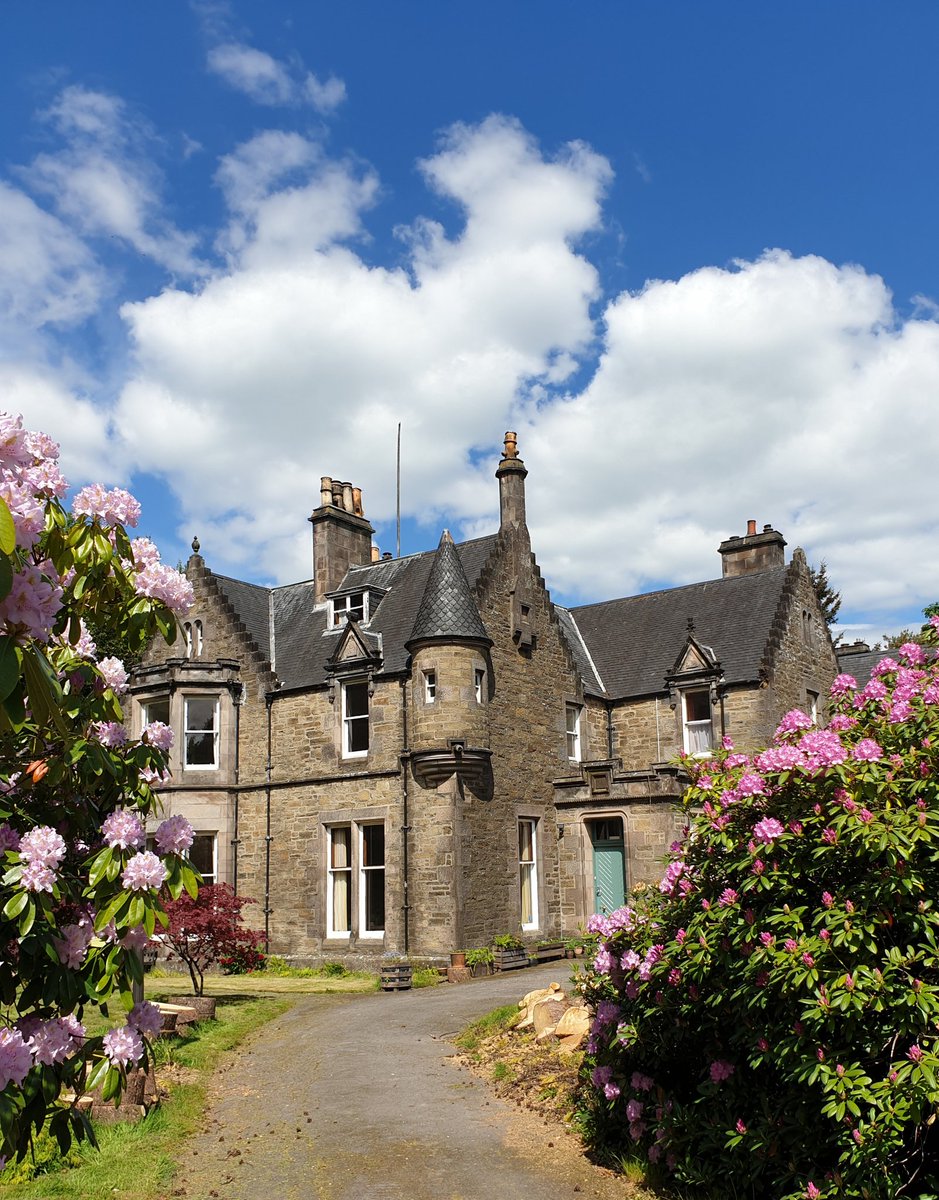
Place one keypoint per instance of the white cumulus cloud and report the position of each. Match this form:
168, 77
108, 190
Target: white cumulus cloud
269, 81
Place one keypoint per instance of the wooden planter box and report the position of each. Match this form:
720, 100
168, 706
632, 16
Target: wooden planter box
481, 969
509, 960
396, 977
547, 953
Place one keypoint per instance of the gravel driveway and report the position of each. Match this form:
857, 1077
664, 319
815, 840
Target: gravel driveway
352, 1097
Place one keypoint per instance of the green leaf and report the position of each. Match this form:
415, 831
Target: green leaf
99, 1071
6, 576
9, 666
27, 917
136, 911
45, 693
7, 529
15, 905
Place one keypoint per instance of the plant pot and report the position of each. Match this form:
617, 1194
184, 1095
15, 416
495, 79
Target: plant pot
458, 958
481, 969
204, 1005
396, 977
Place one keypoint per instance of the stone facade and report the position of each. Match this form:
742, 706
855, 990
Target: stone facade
417, 755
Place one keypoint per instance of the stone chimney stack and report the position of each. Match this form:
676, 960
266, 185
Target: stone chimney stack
511, 474
342, 538
752, 552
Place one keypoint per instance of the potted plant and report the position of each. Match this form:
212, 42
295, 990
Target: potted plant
202, 931
508, 952
458, 958
479, 961
395, 974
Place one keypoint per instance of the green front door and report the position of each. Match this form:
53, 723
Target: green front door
609, 864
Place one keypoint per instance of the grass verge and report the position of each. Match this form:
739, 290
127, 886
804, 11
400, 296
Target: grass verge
260, 983
136, 1162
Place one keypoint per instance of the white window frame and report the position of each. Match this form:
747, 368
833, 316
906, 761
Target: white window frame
146, 705
363, 871
342, 605
187, 765
206, 833
331, 875
811, 703
689, 729
430, 687
528, 870
479, 683
573, 714
347, 720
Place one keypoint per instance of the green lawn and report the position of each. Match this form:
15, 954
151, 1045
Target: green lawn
136, 1162
258, 983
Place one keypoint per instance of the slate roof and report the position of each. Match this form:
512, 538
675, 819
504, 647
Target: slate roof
622, 648
447, 609
634, 642
301, 643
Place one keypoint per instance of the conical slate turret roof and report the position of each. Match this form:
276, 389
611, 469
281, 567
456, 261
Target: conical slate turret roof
447, 608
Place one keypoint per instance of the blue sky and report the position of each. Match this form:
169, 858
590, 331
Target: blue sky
687, 250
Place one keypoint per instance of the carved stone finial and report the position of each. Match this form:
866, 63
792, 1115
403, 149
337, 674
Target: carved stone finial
195, 545
511, 445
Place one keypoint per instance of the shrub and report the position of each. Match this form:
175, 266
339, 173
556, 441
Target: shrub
80, 894
766, 1021
244, 959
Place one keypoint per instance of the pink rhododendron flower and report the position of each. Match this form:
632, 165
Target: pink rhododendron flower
670, 879
767, 830
145, 553
842, 685
900, 711
9, 838
73, 945
30, 608
866, 750
914, 654
822, 748
143, 871
123, 830
634, 1110
791, 945
54, 1041
42, 846
727, 898
159, 735
114, 675
114, 507
145, 1018
873, 690
885, 667
780, 758
15, 1057
750, 784
163, 583
37, 878
841, 723
123, 1046
792, 722
811, 1191
721, 1070
174, 835
134, 938
110, 733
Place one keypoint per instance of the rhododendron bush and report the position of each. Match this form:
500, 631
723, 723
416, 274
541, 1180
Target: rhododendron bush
80, 891
766, 1020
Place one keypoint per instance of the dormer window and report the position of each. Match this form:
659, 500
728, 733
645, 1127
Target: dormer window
354, 605
698, 734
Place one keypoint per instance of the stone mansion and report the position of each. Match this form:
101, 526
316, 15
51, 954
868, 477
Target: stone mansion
415, 755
